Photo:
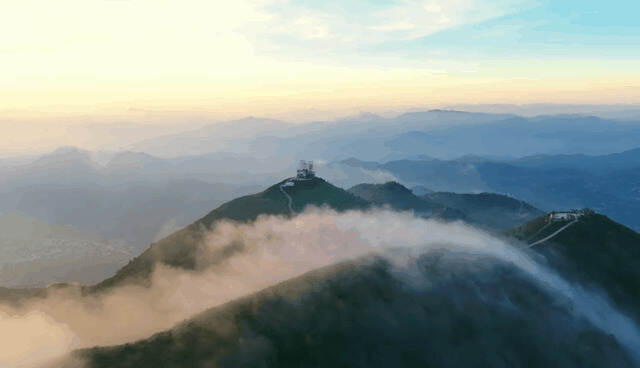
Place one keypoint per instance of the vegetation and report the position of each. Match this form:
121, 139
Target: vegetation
490, 210
594, 251
395, 195
180, 248
448, 314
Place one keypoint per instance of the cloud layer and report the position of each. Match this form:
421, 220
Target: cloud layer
269, 251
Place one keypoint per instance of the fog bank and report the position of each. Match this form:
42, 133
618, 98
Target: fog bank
264, 253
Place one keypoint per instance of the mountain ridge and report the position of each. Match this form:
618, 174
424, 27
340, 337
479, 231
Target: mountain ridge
489, 210
593, 250
358, 314
179, 249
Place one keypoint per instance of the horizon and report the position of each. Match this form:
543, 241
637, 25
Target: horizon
293, 183
182, 64
431, 52
87, 132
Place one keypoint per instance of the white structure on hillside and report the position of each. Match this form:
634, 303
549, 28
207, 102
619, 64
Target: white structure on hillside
566, 215
305, 170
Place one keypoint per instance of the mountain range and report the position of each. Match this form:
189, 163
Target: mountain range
238, 157
609, 183
439, 306
33, 253
456, 309
447, 239
134, 197
488, 210
437, 133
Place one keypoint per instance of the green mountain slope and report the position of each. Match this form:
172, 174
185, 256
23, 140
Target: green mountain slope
448, 313
400, 198
489, 210
492, 210
180, 248
395, 195
594, 250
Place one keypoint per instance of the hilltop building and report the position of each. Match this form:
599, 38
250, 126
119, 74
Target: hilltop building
305, 170
567, 215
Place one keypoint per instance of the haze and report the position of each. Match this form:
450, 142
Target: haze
74, 62
287, 183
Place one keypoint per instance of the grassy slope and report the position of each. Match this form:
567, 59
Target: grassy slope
489, 209
179, 248
452, 314
596, 251
393, 194
400, 198
12, 296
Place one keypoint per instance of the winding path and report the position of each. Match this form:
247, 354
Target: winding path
289, 199
552, 235
540, 230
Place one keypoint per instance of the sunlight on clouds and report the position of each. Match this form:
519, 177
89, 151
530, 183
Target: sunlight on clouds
413, 19
383, 22
94, 41
265, 57
99, 45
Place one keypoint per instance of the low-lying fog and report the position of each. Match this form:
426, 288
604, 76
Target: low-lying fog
270, 250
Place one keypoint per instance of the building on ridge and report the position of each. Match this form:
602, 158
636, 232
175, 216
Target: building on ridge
305, 170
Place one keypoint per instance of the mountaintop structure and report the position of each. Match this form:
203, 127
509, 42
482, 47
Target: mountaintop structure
305, 170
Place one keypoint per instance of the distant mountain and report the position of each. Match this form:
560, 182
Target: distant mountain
33, 253
618, 111
256, 152
436, 175
230, 136
492, 210
137, 212
364, 138
451, 134
180, 248
353, 162
421, 190
592, 250
399, 198
128, 160
608, 183
489, 210
612, 192
518, 136
64, 165
70, 165
596, 164
395, 195
455, 310
135, 197
435, 133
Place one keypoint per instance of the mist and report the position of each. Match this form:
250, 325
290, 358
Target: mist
258, 255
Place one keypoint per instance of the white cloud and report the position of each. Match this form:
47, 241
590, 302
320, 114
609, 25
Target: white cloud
399, 21
271, 250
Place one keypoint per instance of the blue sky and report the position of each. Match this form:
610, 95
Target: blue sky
549, 29
282, 58
483, 29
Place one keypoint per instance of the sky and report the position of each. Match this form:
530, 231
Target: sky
70, 61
